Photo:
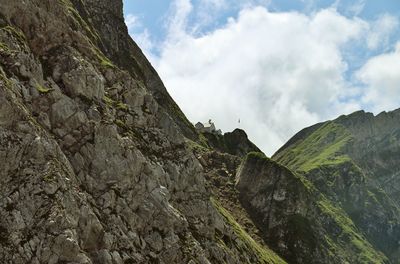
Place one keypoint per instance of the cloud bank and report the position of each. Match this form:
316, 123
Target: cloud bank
276, 72
381, 75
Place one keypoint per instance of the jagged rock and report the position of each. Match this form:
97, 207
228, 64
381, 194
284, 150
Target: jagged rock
99, 165
296, 220
352, 160
84, 81
94, 162
234, 143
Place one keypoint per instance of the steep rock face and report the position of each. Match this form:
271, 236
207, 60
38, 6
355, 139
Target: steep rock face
220, 169
95, 168
99, 165
235, 143
376, 145
296, 220
353, 160
114, 40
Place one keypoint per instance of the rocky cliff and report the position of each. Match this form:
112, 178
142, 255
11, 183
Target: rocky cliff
353, 161
99, 165
296, 219
95, 161
235, 143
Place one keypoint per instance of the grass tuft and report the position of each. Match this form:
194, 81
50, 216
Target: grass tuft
41, 89
265, 255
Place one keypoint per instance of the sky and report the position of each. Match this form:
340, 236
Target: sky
278, 66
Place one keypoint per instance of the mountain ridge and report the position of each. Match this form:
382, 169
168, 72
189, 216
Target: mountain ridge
354, 172
95, 168
100, 165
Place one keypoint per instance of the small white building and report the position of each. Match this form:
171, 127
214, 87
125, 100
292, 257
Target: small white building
208, 127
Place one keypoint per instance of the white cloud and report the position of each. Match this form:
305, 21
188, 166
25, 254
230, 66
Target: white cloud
207, 10
131, 21
381, 76
277, 72
144, 41
381, 30
177, 24
357, 7
140, 34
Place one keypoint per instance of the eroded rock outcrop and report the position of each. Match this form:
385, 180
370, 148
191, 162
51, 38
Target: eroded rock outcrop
353, 161
99, 165
296, 219
235, 143
94, 162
